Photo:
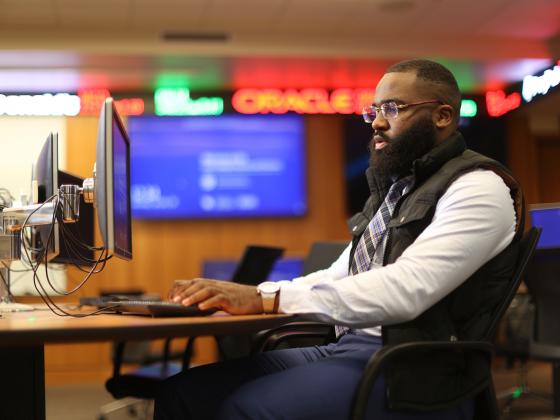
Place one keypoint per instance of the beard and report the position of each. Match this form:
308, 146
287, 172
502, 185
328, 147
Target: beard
395, 159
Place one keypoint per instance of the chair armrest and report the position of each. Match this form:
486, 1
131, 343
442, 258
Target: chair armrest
386, 354
270, 339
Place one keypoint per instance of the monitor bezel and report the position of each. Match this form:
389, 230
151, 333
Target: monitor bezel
104, 185
544, 206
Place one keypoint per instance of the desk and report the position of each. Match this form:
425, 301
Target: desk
23, 336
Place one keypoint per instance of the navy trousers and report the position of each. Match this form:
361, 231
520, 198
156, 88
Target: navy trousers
302, 383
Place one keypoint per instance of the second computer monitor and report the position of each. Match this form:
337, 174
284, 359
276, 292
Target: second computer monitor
112, 183
45, 183
547, 217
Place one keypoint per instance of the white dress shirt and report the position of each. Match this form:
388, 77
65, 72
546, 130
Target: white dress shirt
473, 222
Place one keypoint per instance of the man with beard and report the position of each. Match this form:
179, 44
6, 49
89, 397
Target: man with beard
429, 252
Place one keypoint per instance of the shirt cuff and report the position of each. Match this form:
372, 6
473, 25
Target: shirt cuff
291, 297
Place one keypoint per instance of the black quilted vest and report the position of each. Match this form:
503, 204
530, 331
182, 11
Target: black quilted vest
435, 380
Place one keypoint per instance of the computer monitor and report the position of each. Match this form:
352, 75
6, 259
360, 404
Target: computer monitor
547, 216
45, 184
112, 182
82, 229
45, 169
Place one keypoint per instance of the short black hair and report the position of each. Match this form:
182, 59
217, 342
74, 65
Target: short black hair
436, 73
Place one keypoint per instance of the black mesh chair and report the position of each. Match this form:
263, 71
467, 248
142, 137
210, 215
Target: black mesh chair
486, 405
133, 390
322, 254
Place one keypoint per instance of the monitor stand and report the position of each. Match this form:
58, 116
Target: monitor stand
6, 302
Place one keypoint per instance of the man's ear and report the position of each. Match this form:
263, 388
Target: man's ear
443, 116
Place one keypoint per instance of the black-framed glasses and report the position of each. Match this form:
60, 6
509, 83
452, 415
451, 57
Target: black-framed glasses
389, 110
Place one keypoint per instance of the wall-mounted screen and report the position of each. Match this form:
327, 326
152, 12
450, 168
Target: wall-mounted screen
226, 166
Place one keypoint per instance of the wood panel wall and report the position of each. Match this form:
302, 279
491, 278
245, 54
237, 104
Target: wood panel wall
168, 250
534, 160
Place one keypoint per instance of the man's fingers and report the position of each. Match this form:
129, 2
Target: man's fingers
177, 285
186, 289
216, 301
198, 296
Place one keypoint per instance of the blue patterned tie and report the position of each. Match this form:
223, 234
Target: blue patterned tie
374, 233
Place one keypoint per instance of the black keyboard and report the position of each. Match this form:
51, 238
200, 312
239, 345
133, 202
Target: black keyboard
103, 299
154, 308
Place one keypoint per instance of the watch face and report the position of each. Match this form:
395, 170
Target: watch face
268, 287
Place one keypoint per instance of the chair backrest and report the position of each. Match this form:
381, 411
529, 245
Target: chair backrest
543, 282
527, 246
256, 264
322, 255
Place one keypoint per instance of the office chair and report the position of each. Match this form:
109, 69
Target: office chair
514, 347
140, 385
304, 333
322, 254
486, 405
543, 282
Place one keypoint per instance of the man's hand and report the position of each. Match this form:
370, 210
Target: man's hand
230, 297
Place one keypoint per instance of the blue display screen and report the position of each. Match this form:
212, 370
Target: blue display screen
226, 166
121, 203
549, 220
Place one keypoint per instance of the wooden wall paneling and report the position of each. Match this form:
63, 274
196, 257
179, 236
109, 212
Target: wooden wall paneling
523, 155
549, 168
81, 141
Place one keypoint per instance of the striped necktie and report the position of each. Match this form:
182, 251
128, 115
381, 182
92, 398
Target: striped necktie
372, 236
374, 233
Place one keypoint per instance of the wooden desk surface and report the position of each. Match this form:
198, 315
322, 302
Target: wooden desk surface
42, 326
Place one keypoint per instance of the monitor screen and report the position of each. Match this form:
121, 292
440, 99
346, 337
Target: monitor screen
211, 167
112, 184
547, 216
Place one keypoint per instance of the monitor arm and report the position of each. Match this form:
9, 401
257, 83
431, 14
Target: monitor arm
12, 220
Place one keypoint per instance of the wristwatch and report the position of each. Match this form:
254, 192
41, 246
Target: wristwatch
269, 291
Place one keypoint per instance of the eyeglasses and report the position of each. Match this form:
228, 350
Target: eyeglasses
389, 110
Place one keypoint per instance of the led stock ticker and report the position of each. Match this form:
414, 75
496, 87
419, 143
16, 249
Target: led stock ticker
303, 101
47, 104
498, 103
92, 99
178, 101
540, 85
87, 102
